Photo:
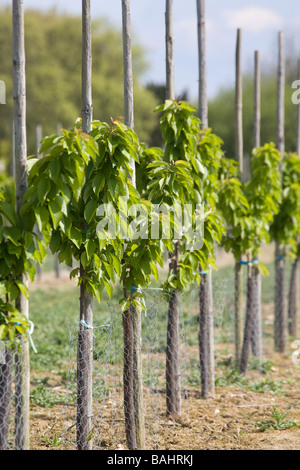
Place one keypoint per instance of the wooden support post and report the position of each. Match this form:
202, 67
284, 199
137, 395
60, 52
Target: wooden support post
85, 337
206, 298
22, 386
132, 318
240, 157
280, 324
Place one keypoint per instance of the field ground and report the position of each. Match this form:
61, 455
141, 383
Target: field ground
258, 411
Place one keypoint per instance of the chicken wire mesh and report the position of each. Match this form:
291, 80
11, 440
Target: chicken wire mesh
14, 395
108, 424
105, 424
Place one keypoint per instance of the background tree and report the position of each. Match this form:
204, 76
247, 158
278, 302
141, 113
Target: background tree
54, 76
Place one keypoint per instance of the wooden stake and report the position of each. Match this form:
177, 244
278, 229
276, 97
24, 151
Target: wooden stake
170, 85
239, 106
19, 87
206, 298
256, 338
280, 323
132, 318
85, 338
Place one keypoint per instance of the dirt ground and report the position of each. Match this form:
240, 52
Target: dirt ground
227, 422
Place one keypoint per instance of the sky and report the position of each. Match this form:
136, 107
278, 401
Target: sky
260, 21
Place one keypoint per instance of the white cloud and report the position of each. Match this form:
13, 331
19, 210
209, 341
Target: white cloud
253, 19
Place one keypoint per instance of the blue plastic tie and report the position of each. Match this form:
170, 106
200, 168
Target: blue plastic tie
132, 288
243, 262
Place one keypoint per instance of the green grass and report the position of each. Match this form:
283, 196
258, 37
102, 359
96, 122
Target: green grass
55, 314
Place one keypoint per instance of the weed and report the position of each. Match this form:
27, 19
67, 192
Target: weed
278, 423
45, 397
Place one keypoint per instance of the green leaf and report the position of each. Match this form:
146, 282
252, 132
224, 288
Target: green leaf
56, 213
90, 248
43, 188
90, 210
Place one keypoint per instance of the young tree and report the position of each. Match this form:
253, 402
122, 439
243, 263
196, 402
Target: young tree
285, 230
249, 209
184, 175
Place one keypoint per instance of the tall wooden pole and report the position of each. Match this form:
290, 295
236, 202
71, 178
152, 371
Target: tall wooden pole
206, 339
19, 86
293, 299
132, 319
170, 84
256, 337
280, 323
239, 154
173, 394
85, 336
239, 105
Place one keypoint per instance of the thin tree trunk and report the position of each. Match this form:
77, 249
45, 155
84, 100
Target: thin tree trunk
19, 87
238, 309
293, 297
132, 319
204, 349
173, 393
256, 337
85, 337
249, 322
203, 115
138, 395
280, 310
128, 379
6, 365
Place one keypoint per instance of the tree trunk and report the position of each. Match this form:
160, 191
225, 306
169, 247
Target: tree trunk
85, 337
20, 139
128, 379
204, 349
256, 337
6, 364
84, 389
238, 309
138, 395
293, 301
280, 314
248, 324
173, 394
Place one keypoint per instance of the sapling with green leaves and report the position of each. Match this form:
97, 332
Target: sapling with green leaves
285, 232
20, 249
179, 178
249, 209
